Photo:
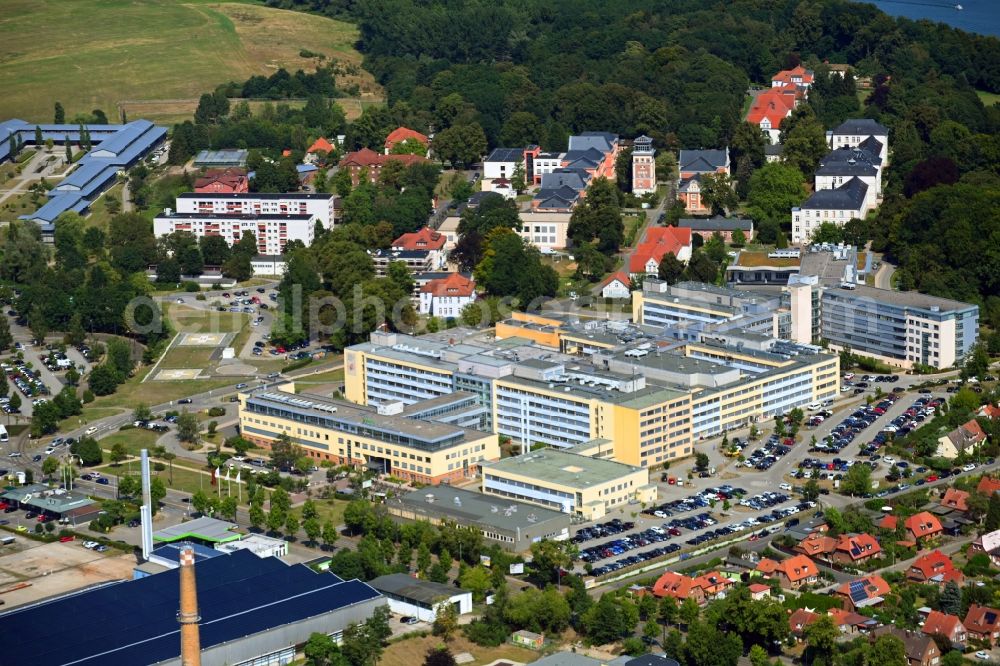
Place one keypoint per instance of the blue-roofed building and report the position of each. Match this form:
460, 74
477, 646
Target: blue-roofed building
115, 149
253, 610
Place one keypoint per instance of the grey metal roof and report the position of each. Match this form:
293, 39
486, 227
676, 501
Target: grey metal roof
205, 528
849, 196
561, 467
222, 156
476, 508
424, 591
717, 223
704, 161
849, 162
862, 127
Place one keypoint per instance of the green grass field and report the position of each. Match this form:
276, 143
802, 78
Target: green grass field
187, 357
194, 320
134, 439
988, 98
91, 54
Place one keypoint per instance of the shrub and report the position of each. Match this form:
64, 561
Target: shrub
217, 411
88, 396
191, 287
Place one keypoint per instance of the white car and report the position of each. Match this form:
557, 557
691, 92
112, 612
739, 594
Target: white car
848, 376
983, 654
889, 460
786, 486
91, 430
49, 451
968, 467
90, 545
813, 407
845, 389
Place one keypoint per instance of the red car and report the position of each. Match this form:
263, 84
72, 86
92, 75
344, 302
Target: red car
281, 350
932, 477
66, 539
3, 505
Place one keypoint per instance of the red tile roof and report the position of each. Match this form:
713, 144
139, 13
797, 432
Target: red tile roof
712, 583
366, 157
956, 499
774, 105
321, 145
988, 485
786, 75
989, 412
941, 623
672, 584
888, 522
767, 566
455, 284
800, 619
798, 568
982, 619
858, 546
757, 588
424, 239
933, 564
401, 134
233, 180
816, 543
923, 524
874, 586
659, 241
621, 276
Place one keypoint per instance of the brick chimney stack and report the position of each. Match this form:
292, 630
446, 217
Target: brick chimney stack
188, 615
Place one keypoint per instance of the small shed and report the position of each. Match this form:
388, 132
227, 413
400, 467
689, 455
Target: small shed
420, 598
528, 639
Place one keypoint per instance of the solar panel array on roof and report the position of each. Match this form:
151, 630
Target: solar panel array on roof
135, 622
857, 590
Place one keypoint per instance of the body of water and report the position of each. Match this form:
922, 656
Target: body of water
980, 16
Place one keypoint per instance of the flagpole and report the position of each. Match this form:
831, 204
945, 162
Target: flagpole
239, 488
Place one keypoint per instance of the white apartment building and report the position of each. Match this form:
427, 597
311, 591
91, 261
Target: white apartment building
838, 206
319, 206
863, 132
272, 231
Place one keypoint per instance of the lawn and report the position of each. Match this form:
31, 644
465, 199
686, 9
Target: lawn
100, 216
332, 510
155, 392
412, 651
988, 98
328, 377
134, 439
98, 53
187, 357
16, 206
192, 320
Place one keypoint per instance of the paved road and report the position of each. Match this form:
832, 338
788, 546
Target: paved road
883, 276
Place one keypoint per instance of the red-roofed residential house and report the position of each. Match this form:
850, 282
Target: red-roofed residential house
934, 567
368, 159
798, 76
618, 285
424, 239
769, 108
988, 485
401, 134
759, 591
983, 623
713, 585
856, 548
923, 525
816, 544
659, 242
989, 412
678, 586
956, 499
888, 522
796, 571
445, 297
988, 543
942, 624
223, 181
321, 145
863, 592
800, 619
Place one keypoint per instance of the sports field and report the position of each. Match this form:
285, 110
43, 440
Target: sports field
91, 54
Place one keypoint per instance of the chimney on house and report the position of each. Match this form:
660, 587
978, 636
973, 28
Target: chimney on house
188, 615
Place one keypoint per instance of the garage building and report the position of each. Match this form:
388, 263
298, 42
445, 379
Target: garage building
420, 598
